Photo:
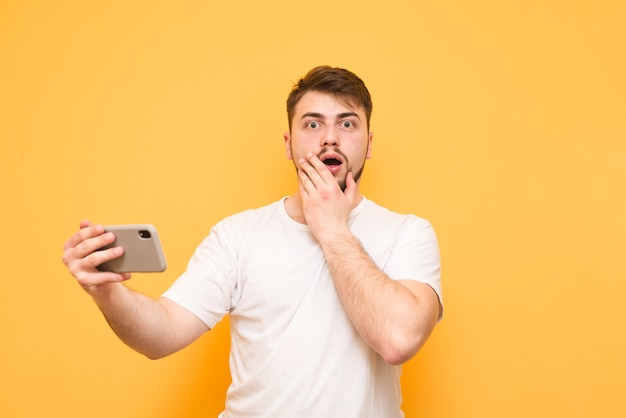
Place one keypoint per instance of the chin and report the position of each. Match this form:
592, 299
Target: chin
342, 181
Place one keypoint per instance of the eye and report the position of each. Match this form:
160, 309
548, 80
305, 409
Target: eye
347, 124
313, 124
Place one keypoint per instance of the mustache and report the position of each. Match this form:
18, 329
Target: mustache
334, 150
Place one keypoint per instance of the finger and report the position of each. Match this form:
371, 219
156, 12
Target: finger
86, 269
96, 258
313, 173
317, 170
85, 223
92, 244
87, 254
320, 168
81, 258
85, 232
306, 185
310, 171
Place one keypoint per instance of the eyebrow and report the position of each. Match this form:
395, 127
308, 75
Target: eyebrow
321, 116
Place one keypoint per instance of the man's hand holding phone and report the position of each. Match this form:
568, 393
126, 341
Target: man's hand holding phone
81, 255
97, 255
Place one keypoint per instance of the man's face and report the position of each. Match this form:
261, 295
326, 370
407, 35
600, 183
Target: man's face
332, 130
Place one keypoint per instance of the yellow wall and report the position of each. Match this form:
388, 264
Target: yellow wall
501, 122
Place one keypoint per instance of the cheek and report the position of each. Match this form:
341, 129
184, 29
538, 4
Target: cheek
299, 148
359, 152
295, 155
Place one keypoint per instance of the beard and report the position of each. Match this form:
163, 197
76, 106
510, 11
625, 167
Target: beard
356, 176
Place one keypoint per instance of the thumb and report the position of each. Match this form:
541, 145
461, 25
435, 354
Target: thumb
351, 187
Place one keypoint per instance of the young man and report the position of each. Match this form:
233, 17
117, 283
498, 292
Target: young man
328, 293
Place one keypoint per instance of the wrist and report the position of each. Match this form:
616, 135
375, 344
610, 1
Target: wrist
335, 236
101, 292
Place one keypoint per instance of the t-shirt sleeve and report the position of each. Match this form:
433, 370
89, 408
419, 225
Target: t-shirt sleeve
415, 255
208, 285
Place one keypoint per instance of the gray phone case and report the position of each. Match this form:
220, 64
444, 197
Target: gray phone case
142, 250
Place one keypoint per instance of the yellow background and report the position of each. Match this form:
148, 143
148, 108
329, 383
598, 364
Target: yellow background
503, 122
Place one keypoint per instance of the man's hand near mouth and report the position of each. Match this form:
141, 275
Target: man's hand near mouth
326, 208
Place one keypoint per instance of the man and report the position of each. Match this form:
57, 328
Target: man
327, 292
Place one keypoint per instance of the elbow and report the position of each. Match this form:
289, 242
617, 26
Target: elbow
404, 341
397, 359
152, 354
398, 354
158, 354
403, 347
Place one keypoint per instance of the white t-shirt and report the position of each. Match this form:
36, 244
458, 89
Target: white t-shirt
294, 351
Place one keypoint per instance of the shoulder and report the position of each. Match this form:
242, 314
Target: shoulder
377, 215
252, 215
234, 230
248, 221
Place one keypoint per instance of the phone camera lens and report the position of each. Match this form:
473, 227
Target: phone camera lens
144, 234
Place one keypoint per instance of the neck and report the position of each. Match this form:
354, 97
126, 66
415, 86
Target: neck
293, 206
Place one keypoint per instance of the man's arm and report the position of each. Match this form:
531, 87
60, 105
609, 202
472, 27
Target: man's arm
394, 317
155, 328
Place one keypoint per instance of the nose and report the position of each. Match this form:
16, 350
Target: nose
330, 137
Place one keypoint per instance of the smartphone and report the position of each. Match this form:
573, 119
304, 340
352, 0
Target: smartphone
142, 250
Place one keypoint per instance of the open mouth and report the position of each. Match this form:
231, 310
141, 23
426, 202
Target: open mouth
332, 161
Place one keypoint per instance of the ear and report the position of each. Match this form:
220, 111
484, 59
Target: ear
287, 139
369, 145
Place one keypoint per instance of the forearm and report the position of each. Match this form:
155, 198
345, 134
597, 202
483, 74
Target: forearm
394, 317
144, 324
394, 320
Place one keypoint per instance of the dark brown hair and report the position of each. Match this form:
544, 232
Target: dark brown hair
345, 85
